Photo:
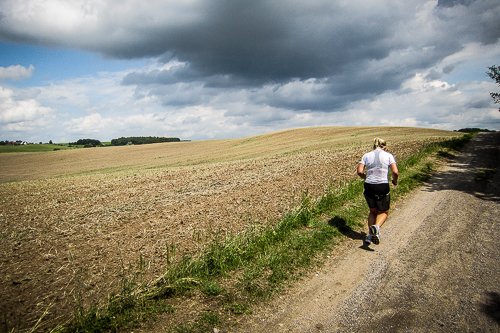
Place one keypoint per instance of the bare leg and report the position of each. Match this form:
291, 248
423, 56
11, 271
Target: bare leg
372, 217
381, 217
376, 217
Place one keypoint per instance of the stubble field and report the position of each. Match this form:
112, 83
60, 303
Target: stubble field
77, 220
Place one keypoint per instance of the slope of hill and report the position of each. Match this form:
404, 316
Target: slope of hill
30, 166
91, 213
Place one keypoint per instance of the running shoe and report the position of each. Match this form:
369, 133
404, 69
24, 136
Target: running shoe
375, 230
368, 240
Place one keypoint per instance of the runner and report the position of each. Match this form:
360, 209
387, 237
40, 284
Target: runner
376, 192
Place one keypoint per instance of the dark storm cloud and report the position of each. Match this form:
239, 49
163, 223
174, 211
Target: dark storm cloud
258, 40
243, 43
358, 50
270, 41
451, 3
275, 41
471, 20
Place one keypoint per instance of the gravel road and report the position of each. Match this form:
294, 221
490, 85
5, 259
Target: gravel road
437, 268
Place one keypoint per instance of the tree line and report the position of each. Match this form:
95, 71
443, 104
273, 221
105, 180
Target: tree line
86, 143
123, 141
474, 130
139, 140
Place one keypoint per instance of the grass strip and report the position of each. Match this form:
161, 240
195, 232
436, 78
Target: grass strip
255, 264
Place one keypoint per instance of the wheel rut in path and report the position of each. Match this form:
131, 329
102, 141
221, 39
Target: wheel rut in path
435, 270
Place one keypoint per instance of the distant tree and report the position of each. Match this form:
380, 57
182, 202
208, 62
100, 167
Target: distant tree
88, 142
139, 140
494, 74
474, 130
50, 142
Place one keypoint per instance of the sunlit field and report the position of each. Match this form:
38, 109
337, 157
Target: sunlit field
73, 221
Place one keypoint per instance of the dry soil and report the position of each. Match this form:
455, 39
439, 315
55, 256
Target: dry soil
79, 221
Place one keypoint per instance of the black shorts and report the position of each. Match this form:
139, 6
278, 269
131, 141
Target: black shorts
378, 196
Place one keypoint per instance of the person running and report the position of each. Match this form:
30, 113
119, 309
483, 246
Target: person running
376, 187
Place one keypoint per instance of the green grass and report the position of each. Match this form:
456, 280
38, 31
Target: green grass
254, 265
36, 148
33, 148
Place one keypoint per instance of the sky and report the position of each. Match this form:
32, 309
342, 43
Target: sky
222, 69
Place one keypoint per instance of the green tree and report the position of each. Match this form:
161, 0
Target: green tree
494, 73
88, 142
139, 140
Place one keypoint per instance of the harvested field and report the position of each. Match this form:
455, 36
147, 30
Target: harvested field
82, 216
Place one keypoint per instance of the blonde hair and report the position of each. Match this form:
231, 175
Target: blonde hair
378, 142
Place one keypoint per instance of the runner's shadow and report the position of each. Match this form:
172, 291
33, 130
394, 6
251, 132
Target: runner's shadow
492, 306
366, 248
345, 229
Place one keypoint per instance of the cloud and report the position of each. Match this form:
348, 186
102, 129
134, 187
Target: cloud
225, 68
430, 103
260, 41
22, 115
102, 108
355, 51
91, 124
471, 18
16, 73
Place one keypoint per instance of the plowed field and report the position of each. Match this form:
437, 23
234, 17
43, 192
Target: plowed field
82, 216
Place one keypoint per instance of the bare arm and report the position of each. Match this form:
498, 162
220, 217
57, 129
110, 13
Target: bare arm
361, 171
395, 173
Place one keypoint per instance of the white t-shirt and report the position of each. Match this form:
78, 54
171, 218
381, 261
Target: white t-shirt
377, 166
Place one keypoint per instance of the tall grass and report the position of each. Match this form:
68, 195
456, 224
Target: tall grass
255, 264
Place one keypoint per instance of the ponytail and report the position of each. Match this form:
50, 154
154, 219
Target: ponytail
378, 143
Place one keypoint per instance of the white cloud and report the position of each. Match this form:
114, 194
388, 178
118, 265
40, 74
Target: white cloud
92, 124
22, 115
94, 24
224, 71
99, 108
433, 104
16, 73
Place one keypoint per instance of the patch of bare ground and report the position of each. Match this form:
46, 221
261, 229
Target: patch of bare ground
87, 230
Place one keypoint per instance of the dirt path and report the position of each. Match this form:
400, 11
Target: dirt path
437, 268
